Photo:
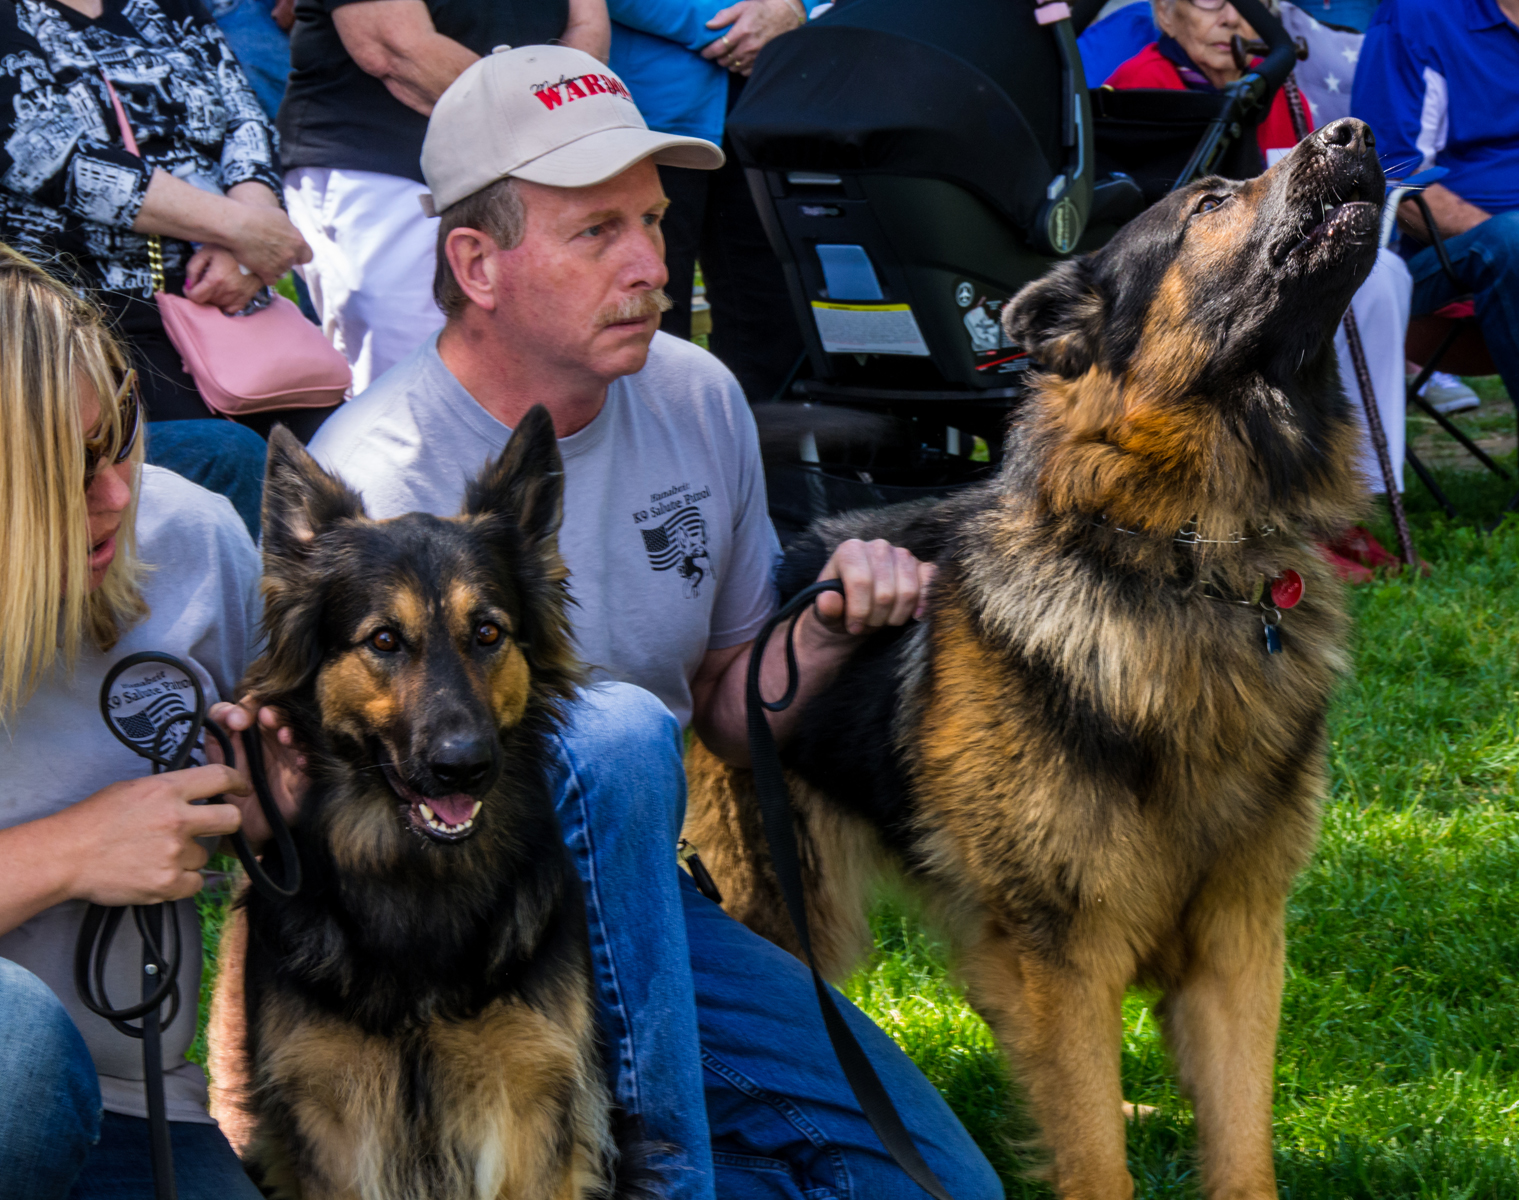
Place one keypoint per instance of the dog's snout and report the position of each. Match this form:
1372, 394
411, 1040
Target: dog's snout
1348, 134
461, 763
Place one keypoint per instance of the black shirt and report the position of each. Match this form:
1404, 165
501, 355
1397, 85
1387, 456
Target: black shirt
336, 115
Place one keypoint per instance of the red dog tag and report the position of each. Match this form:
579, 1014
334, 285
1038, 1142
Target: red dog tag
1287, 589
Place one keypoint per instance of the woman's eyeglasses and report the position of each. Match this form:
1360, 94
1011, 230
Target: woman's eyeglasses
97, 449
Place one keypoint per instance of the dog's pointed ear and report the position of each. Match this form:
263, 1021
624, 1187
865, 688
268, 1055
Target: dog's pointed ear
526, 484
1058, 318
300, 499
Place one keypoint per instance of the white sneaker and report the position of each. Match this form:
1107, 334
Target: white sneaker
1447, 394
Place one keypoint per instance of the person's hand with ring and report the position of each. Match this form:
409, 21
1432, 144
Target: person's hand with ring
747, 27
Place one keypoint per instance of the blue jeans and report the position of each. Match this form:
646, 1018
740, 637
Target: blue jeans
1486, 260
715, 1038
54, 1140
221, 456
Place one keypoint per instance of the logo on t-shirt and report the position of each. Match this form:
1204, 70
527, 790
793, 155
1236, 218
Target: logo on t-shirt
680, 543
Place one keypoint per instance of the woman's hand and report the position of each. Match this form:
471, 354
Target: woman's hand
134, 842
750, 24
213, 277
247, 221
284, 764
264, 241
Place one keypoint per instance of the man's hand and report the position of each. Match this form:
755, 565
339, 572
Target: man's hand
134, 842
746, 28
1453, 215
397, 43
284, 764
884, 585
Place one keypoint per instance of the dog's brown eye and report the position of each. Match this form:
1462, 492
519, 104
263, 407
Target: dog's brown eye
488, 633
1208, 204
384, 641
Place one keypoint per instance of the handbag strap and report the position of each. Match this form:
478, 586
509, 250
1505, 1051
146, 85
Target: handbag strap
129, 140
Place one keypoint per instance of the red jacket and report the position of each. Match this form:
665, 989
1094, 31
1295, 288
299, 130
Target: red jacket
1152, 69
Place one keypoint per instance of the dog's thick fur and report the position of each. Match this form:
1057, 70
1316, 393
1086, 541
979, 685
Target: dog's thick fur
1085, 755
420, 1018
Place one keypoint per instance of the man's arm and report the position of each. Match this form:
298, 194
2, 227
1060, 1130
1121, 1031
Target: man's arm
883, 585
1453, 215
589, 28
396, 42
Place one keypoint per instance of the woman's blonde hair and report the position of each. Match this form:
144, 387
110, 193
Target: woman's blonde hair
53, 342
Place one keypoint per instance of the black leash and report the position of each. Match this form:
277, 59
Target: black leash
159, 712
775, 807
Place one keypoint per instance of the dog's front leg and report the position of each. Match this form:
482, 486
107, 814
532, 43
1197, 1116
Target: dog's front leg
1060, 1024
1222, 1020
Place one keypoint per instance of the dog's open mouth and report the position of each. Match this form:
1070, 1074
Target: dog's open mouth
442, 818
1340, 220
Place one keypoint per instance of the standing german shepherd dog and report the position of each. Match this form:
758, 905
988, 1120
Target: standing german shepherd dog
420, 1016
1089, 753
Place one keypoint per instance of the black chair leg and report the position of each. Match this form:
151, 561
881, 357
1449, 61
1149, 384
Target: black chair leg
1455, 431
1428, 480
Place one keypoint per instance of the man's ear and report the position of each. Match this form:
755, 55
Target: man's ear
300, 499
1058, 319
526, 484
466, 253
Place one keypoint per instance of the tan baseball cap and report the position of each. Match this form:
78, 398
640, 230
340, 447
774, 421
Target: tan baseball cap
547, 114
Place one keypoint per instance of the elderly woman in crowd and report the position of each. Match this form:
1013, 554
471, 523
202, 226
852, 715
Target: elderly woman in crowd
1195, 53
72, 195
105, 557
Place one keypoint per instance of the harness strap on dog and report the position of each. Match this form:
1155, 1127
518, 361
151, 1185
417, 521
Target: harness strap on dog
161, 716
775, 808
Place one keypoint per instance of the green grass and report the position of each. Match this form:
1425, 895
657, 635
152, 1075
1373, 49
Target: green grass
1398, 1068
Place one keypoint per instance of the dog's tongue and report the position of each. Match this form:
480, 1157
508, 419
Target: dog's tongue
452, 810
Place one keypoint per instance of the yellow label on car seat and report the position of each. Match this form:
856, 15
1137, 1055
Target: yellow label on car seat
869, 329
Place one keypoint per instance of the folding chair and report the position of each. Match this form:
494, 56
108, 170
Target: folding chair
1448, 339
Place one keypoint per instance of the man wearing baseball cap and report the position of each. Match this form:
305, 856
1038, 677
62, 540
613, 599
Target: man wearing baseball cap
550, 274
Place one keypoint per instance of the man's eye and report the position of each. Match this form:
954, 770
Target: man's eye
593, 231
1208, 204
653, 218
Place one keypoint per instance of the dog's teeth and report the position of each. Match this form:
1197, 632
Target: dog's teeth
427, 814
475, 812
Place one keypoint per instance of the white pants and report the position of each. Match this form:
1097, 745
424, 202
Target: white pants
1381, 309
371, 270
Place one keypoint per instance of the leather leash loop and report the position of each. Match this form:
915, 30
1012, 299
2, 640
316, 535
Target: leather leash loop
169, 744
775, 808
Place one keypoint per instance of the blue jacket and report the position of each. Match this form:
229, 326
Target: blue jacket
656, 51
1438, 82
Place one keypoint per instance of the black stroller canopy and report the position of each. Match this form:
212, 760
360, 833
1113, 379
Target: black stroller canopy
968, 92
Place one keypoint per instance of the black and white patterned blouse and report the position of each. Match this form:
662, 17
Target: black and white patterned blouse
68, 187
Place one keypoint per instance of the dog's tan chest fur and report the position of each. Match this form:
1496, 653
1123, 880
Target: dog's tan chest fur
493, 1107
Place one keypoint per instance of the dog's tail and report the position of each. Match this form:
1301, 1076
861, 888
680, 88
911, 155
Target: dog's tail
645, 1168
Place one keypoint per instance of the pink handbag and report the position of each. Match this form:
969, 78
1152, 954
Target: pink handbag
271, 358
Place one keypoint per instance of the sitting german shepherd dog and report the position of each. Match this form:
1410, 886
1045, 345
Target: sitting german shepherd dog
420, 1015
1102, 751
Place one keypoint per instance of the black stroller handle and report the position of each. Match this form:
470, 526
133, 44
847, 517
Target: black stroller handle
1068, 204
1242, 98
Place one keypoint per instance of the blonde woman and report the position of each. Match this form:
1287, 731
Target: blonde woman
103, 557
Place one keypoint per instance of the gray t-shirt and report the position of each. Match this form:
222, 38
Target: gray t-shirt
202, 590
666, 530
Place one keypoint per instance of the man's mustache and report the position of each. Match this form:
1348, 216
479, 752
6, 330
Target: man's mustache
635, 308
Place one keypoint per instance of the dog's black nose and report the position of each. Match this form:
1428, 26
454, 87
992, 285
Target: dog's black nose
1348, 134
461, 763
